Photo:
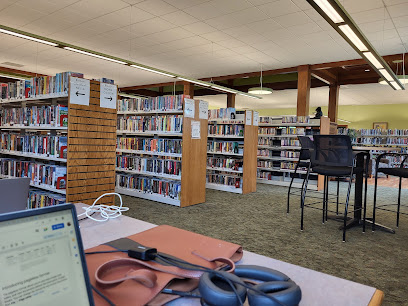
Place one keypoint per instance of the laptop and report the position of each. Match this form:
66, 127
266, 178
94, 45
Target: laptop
13, 194
42, 261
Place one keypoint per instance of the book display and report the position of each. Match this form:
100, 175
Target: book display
279, 148
231, 150
35, 137
161, 149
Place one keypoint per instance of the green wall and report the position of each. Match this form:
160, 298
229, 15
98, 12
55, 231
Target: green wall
361, 116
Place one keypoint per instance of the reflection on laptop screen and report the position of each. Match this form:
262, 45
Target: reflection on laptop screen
40, 262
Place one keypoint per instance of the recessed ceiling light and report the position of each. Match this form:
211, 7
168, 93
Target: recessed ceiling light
367, 70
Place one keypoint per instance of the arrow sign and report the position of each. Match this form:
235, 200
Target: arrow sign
79, 91
108, 95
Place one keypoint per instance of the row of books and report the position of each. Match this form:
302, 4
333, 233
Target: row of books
226, 129
268, 175
370, 141
284, 119
152, 165
166, 188
289, 166
399, 141
40, 174
38, 198
234, 147
379, 132
46, 115
37, 86
161, 103
290, 154
226, 163
52, 146
293, 131
224, 179
290, 142
267, 131
267, 164
222, 113
172, 123
161, 145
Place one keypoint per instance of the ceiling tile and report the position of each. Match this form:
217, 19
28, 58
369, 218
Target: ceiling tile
216, 36
169, 35
279, 8
371, 15
93, 8
264, 26
293, 19
182, 4
186, 42
278, 34
353, 6
230, 6
199, 28
44, 6
304, 29
156, 7
380, 25
179, 18
203, 11
232, 43
150, 26
240, 31
17, 16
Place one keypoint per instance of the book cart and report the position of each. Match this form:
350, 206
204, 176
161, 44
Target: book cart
231, 150
161, 149
37, 140
279, 149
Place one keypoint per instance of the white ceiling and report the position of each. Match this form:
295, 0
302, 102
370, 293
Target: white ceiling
197, 38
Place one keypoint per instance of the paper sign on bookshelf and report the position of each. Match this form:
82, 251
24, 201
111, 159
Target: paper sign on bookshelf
195, 129
248, 117
203, 110
79, 91
108, 95
256, 118
189, 109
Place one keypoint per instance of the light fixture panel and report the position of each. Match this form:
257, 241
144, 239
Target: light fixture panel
347, 30
28, 37
95, 55
373, 60
329, 11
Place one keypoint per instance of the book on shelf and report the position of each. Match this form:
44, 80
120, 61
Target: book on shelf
226, 130
222, 113
150, 185
233, 147
225, 163
39, 174
45, 115
166, 123
161, 145
62, 117
224, 179
151, 165
162, 103
39, 198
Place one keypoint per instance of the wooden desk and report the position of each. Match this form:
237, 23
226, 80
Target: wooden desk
317, 288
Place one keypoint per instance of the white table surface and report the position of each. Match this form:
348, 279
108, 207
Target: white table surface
317, 288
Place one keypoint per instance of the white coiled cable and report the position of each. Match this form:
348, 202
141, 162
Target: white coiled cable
106, 211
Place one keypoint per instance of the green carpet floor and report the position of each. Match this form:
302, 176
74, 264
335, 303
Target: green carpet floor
258, 221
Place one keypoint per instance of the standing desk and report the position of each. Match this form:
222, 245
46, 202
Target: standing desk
317, 288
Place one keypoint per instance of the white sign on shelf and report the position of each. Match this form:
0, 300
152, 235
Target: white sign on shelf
79, 91
195, 129
189, 108
256, 118
108, 95
248, 117
203, 110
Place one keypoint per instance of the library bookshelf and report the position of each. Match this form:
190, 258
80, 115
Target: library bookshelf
231, 151
161, 149
42, 138
279, 149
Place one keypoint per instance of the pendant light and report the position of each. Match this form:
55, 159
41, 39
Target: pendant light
260, 90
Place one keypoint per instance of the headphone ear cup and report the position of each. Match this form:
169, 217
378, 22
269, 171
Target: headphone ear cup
286, 293
260, 273
215, 290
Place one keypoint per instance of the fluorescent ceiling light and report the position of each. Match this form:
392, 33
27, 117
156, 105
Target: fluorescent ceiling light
329, 10
153, 70
224, 89
194, 81
396, 85
260, 90
386, 75
353, 37
373, 60
28, 37
95, 55
402, 78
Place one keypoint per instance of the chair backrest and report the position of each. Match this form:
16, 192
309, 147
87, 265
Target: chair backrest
306, 145
332, 150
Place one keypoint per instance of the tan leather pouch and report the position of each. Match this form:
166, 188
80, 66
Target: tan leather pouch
185, 245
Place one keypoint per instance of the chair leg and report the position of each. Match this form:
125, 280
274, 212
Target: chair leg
290, 185
324, 198
399, 200
346, 207
327, 199
365, 194
303, 186
337, 197
303, 196
375, 198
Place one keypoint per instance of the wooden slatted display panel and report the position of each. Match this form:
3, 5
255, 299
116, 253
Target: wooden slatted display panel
91, 150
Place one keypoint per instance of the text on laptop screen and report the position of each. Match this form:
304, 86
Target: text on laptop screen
40, 262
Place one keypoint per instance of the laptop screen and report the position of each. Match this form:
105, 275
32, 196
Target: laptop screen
41, 260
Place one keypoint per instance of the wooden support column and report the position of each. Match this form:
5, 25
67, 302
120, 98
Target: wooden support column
231, 100
333, 102
304, 80
189, 89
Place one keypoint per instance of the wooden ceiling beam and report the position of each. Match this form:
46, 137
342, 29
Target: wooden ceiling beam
324, 76
19, 72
